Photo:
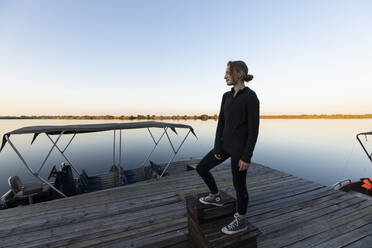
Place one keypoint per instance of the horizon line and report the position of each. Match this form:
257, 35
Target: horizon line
202, 116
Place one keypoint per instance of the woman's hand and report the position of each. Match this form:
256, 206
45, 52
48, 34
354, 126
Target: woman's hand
217, 156
243, 165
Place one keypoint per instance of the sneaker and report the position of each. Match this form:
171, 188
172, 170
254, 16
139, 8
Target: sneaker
237, 225
236, 215
212, 200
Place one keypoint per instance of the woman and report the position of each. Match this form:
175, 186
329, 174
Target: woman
236, 137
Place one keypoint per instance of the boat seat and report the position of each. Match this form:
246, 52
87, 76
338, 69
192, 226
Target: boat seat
33, 189
129, 172
26, 190
157, 169
89, 183
129, 176
15, 184
89, 177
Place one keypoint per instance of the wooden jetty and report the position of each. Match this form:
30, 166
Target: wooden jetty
289, 211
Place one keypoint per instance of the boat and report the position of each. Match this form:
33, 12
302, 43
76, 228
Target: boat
66, 180
362, 187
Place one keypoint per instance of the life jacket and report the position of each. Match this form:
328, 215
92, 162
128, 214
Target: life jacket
367, 183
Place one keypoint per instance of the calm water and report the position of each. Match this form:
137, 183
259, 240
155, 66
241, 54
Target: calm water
323, 151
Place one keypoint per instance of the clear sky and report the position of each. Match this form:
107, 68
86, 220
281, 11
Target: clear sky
169, 57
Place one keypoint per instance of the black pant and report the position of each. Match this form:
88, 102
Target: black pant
239, 177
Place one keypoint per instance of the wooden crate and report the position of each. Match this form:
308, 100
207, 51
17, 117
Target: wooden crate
210, 235
206, 221
202, 213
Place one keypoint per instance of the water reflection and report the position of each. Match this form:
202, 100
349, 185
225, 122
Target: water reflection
323, 151
320, 150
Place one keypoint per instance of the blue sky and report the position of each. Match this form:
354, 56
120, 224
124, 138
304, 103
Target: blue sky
169, 57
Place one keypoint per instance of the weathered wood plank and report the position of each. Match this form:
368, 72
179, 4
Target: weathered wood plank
259, 207
356, 236
334, 232
314, 224
84, 226
308, 212
298, 209
111, 231
163, 238
80, 207
79, 216
102, 237
363, 242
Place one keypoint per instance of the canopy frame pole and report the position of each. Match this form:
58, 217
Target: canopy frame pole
175, 153
113, 150
114, 158
50, 151
69, 142
30, 169
170, 141
63, 154
365, 150
120, 168
153, 149
120, 149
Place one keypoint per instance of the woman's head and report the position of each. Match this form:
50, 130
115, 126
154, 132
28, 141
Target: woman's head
237, 71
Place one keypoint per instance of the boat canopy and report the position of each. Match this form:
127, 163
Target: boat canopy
367, 133
90, 128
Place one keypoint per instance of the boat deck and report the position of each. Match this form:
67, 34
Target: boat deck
290, 212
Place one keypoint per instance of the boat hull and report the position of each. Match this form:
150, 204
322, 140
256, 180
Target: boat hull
356, 187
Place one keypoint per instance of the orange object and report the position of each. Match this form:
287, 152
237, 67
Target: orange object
367, 183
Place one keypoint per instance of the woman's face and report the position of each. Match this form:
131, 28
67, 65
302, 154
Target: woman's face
228, 76
233, 77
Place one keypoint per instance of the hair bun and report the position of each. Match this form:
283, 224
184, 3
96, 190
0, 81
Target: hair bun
248, 77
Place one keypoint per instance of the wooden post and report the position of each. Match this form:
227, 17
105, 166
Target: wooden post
206, 221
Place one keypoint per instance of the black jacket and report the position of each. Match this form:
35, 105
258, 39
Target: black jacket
238, 123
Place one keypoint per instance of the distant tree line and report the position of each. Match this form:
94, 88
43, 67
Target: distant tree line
183, 117
122, 117
335, 116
